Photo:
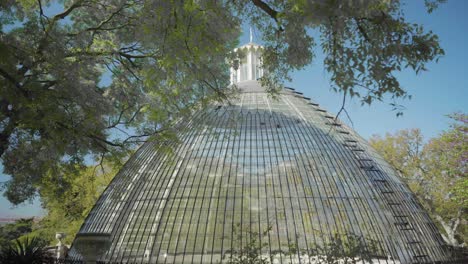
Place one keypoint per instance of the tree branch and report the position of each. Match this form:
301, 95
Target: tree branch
68, 11
267, 9
6, 132
103, 140
43, 41
118, 121
42, 15
101, 161
10, 78
109, 53
343, 103
362, 31
343, 109
104, 22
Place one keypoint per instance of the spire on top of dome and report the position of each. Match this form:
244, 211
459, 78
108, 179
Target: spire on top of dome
248, 67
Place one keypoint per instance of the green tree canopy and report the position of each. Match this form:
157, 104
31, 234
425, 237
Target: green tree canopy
68, 200
14, 230
435, 171
98, 77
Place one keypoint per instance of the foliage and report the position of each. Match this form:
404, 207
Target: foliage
339, 249
247, 248
434, 4
344, 249
402, 150
84, 79
26, 251
364, 42
99, 77
69, 199
436, 172
447, 155
14, 230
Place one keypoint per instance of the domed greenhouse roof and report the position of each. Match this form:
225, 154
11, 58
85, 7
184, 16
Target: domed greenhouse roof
282, 172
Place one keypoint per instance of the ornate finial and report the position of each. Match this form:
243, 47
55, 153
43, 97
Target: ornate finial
251, 35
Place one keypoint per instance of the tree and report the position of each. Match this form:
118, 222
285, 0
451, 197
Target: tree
14, 230
26, 251
436, 172
98, 77
344, 248
247, 247
69, 199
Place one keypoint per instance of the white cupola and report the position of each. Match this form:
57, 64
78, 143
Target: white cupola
248, 67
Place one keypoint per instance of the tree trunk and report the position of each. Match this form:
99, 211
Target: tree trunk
5, 137
450, 228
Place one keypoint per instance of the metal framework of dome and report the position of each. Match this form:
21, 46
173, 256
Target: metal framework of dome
259, 163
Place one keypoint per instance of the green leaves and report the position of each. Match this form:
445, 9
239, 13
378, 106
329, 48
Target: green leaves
364, 42
98, 78
247, 246
346, 248
26, 251
69, 197
435, 171
446, 156
432, 5
74, 84
12, 231
339, 248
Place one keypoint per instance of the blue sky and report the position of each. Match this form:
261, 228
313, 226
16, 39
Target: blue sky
442, 90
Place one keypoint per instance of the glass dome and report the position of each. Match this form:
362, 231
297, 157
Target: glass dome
283, 165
